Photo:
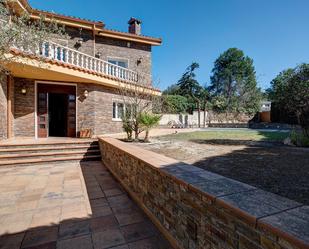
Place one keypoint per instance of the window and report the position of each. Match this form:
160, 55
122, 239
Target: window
119, 62
120, 109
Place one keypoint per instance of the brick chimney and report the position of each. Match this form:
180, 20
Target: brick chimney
135, 26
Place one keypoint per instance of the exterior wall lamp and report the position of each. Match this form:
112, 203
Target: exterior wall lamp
86, 94
78, 43
139, 61
23, 90
98, 55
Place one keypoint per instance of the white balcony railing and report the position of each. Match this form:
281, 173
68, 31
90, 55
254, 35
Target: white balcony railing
73, 57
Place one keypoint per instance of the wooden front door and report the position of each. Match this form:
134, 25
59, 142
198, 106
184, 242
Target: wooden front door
44, 111
42, 114
71, 124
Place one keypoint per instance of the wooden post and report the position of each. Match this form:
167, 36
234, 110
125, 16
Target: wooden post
9, 106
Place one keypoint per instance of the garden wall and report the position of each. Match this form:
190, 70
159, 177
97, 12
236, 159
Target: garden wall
213, 119
197, 209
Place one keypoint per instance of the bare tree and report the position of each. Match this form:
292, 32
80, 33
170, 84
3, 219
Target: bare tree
138, 98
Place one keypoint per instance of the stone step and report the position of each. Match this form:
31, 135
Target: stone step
14, 150
39, 154
32, 161
38, 145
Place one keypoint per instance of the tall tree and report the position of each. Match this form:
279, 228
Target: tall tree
171, 90
296, 96
190, 88
276, 92
233, 78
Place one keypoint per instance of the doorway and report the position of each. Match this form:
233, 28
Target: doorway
56, 110
57, 114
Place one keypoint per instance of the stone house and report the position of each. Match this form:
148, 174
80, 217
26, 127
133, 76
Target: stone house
76, 87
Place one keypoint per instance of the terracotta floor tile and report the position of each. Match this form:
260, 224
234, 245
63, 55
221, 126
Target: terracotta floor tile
150, 243
113, 192
71, 229
119, 200
125, 218
51, 245
15, 223
26, 205
139, 231
12, 241
107, 239
103, 223
101, 202
100, 211
40, 236
82, 242
46, 217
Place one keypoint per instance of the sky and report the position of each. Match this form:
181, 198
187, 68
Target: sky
274, 33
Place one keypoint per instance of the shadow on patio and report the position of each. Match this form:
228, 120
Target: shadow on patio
70, 205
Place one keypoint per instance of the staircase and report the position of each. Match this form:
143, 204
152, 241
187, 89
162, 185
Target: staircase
32, 153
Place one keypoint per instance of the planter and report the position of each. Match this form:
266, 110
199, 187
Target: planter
85, 133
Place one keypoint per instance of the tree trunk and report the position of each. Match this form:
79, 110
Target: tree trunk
136, 133
199, 114
146, 139
204, 122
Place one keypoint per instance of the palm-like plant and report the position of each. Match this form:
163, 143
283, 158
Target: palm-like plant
149, 121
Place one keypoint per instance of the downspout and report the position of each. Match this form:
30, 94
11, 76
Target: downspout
9, 107
93, 33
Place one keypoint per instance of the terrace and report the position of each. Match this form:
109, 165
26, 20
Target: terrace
70, 205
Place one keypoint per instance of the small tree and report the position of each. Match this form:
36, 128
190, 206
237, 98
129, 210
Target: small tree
148, 121
127, 125
138, 98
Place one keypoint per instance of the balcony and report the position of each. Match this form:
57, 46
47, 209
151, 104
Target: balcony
53, 51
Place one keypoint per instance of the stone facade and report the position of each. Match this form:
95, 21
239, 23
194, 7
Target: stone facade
113, 48
3, 106
197, 209
24, 108
94, 112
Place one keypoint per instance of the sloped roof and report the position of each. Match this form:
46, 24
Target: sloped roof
98, 26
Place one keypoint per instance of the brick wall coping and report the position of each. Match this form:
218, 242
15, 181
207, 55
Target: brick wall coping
277, 215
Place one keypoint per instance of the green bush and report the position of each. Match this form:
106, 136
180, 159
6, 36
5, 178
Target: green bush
148, 121
174, 104
299, 139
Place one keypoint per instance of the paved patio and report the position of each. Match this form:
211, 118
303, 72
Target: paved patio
70, 205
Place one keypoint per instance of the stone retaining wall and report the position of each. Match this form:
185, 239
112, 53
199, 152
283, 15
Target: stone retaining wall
197, 209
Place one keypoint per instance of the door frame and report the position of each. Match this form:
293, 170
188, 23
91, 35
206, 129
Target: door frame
36, 82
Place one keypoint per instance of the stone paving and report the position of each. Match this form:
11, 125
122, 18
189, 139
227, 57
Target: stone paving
68, 206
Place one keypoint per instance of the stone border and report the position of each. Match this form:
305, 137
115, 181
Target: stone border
195, 208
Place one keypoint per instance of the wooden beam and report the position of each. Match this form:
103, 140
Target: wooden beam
9, 107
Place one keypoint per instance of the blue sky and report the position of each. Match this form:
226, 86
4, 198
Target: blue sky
273, 32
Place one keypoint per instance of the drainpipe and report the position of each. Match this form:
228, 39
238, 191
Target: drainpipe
9, 106
93, 33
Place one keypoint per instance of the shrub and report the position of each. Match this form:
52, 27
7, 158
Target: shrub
148, 121
299, 139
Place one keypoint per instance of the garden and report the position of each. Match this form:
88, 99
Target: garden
258, 158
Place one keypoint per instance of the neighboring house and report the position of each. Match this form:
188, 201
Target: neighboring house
265, 112
77, 86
